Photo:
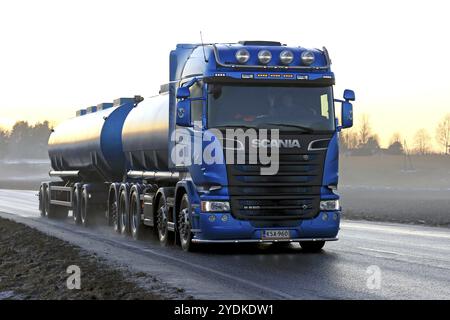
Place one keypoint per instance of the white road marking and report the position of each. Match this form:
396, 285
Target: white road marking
391, 252
421, 259
395, 230
394, 241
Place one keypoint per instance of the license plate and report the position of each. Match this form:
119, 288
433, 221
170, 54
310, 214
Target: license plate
276, 234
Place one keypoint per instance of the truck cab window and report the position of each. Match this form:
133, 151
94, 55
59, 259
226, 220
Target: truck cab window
196, 105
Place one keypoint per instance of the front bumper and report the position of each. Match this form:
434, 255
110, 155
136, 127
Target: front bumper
224, 228
263, 241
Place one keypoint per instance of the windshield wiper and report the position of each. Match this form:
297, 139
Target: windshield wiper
305, 129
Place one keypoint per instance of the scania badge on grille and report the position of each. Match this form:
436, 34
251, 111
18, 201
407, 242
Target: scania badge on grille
286, 143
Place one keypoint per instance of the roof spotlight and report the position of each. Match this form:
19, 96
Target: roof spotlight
308, 58
286, 57
264, 56
242, 55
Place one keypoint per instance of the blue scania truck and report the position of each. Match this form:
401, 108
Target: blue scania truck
120, 160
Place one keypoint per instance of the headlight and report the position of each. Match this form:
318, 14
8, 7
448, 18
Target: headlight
308, 58
329, 205
286, 57
264, 56
242, 55
215, 206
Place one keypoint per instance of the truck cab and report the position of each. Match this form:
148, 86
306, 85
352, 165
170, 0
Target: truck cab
284, 96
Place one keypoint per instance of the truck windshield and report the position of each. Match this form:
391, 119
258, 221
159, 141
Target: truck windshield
308, 109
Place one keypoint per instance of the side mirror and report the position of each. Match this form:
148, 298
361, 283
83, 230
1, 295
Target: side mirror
347, 115
184, 113
183, 93
349, 95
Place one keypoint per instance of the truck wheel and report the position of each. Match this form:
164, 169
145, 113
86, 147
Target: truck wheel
84, 208
184, 225
162, 216
124, 212
113, 210
76, 211
137, 227
312, 246
42, 199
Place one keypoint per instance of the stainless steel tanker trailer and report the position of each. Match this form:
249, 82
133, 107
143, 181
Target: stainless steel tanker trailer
117, 161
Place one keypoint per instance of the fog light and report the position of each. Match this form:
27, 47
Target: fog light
264, 56
335, 216
212, 218
224, 218
329, 205
242, 55
286, 57
308, 58
325, 216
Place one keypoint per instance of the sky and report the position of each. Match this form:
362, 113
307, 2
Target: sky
60, 56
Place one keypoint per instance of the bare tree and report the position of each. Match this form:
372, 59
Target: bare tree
443, 133
396, 137
365, 130
395, 145
422, 142
349, 139
3, 142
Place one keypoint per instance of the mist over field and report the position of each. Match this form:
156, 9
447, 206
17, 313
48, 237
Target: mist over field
397, 188
414, 189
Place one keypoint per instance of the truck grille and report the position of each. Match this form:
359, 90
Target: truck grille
292, 193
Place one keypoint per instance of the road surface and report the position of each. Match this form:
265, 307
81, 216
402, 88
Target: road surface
370, 261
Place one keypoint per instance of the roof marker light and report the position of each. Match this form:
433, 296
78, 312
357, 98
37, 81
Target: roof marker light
264, 56
308, 58
242, 55
286, 57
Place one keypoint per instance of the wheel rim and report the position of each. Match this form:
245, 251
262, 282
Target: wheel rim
134, 215
184, 226
47, 202
75, 208
83, 212
162, 223
123, 220
114, 215
41, 201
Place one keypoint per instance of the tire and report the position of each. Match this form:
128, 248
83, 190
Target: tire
42, 200
185, 225
312, 246
124, 211
84, 208
76, 206
162, 216
113, 209
55, 212
136, 224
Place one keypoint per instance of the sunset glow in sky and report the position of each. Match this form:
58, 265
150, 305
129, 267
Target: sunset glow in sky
60, 56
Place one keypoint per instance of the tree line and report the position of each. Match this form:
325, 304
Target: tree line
361, 140
25, 141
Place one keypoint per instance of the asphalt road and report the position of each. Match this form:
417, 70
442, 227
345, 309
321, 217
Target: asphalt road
370, 261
